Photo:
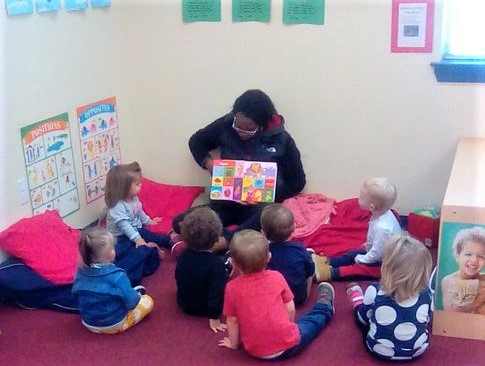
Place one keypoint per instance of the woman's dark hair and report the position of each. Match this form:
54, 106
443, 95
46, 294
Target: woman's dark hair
256, 105
201, 228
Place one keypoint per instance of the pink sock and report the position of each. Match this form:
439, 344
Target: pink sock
355, 295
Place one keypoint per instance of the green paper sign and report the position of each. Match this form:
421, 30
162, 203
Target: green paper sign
251, 10
304, 12
201, 11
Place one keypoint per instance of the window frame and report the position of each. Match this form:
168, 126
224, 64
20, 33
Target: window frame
455, 68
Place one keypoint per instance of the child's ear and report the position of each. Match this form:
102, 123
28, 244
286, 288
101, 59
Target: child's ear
372, 207
269, 257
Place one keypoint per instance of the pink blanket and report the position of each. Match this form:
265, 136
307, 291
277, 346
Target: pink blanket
311, 211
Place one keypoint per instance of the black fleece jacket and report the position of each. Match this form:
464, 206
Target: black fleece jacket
274, 144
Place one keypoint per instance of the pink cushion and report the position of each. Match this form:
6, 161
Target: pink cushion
166, 201
45, 244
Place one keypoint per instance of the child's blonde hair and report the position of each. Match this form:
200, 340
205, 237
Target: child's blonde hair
118, 184
406, 267
475, 234
93, 243
249, 250
382, 193
201, 228
277, 222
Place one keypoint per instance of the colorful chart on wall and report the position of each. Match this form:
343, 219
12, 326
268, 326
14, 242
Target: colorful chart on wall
201, 11
50, 165
100, 144
17, 7
43, 6
251, 11
239, 180
304, 12
75, 5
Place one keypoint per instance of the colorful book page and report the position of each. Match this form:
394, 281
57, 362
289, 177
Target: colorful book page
240, 180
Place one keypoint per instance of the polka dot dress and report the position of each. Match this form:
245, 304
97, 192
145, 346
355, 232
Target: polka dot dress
397, 331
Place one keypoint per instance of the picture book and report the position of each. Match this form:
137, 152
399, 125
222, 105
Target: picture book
240, 180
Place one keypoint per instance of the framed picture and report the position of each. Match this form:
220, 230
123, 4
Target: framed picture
412, 26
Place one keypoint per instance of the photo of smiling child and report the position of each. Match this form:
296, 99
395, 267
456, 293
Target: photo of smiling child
464, 290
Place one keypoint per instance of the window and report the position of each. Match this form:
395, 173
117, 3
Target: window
463, 42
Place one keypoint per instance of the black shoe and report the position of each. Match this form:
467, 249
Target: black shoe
228, 264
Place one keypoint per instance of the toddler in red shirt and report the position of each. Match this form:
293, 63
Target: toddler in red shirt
259, 306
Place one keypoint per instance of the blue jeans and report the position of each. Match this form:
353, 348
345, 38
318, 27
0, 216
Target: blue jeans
310, 326
346, 259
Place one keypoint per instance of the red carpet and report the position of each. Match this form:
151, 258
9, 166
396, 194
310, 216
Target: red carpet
168, 337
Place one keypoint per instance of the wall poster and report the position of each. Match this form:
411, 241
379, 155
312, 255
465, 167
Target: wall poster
100, 144
50, 165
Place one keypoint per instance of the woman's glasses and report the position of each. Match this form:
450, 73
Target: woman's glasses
237, 129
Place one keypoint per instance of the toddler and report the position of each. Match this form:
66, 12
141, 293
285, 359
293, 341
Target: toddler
107, 302
126, 219
291, 259
377, 195
394, 314
200, 274
259, 305
460, 289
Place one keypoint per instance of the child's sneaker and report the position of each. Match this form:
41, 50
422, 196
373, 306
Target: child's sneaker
355, 294
178, 245
323, 272
140, 289
326, 295
178, 248
228, 264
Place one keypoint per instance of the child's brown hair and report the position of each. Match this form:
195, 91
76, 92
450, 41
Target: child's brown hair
201, 228
134, 167
277, 222
406, 267
250, 251
93, 243
118, 184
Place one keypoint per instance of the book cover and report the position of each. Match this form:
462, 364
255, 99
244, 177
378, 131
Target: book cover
240, 180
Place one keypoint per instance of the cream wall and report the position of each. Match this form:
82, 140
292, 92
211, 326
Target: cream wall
355, 109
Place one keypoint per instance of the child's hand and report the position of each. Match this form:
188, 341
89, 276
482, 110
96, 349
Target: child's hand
139, 242
226, 343
155, 221
216, 325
